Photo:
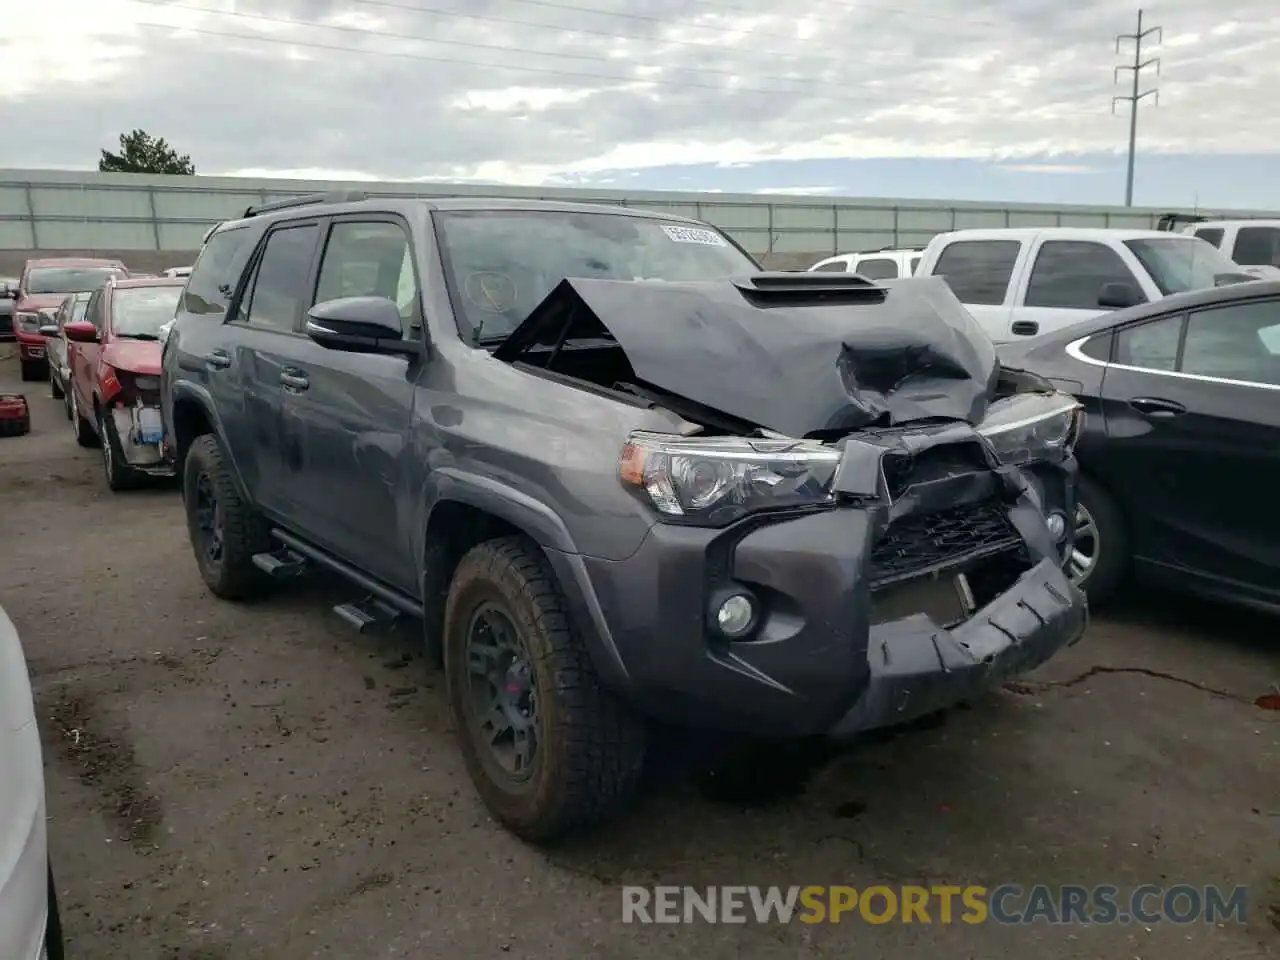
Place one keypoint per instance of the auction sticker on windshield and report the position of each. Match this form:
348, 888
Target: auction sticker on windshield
694, 235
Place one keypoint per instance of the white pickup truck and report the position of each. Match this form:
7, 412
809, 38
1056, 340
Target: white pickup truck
1023, 282
1254, 244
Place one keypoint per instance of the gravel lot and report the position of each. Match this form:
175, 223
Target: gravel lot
259, 781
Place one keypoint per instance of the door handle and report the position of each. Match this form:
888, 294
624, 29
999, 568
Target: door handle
1025, 328
294, 381
218, 360
1155, 407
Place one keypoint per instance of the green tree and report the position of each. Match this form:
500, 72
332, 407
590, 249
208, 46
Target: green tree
142, 153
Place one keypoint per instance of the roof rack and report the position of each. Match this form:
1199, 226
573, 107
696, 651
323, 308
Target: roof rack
892, 247
336, 196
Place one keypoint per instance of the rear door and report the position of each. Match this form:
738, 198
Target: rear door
263, 340
346, 415
1192, 406
1064, 282
981, 273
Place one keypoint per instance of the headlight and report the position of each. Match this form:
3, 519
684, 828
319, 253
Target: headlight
1033, 426
712, 481
29, 322
146, 383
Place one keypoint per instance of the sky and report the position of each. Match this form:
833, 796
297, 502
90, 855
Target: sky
1004, 100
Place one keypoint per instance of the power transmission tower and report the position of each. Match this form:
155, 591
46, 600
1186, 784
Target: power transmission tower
1132, 99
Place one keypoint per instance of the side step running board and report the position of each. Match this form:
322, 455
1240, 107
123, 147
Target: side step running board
366, 614
281, 563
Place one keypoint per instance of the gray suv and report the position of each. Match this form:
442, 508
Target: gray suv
620, 474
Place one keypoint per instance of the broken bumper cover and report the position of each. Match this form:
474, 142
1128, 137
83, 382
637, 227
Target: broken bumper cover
818, 664
141, 440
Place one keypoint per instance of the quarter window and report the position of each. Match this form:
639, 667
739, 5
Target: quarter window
878, 268
217, 269
279, 286
978, 271
1257, 247
1069, 274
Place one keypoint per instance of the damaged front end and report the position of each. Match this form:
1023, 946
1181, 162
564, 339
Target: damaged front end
866, 518
133, 400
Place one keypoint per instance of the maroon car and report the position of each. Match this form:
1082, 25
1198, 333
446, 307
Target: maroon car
44, 285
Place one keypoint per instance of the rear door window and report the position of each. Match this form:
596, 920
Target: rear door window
877, 268
978, 271
1257, 247
835, 266
213, 280
1211, 235
1070, 274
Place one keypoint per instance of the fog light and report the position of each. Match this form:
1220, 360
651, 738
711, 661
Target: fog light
736, 615
1057, 524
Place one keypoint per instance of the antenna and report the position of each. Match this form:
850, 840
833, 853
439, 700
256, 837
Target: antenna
1132, 99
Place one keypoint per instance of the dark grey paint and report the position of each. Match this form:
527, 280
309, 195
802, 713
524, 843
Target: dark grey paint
352, 453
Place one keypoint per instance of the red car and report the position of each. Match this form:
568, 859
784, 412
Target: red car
44, 285
114, 358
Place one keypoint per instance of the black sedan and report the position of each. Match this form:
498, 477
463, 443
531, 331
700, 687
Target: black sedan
1180, 454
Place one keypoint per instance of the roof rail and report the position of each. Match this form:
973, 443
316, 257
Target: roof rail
336, 196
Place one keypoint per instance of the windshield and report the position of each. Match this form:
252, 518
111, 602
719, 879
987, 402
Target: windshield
69, 279
501, 264
140, 312
1179, 264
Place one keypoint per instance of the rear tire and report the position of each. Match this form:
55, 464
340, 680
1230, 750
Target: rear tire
1100, 518
588, 749
53, 944
225, 531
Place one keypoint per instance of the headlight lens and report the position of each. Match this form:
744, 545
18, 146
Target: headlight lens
712, 481
29, 322
1033, 426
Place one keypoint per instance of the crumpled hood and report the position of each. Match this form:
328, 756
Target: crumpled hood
790, 353
134, 356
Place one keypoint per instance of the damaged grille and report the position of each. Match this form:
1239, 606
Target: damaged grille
917, 544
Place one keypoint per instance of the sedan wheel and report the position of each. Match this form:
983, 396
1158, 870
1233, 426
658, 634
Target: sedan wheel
1084, 555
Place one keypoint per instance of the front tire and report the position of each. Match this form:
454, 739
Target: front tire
1100, 558
82, 428
55, 389
119, 474
53, 943
34, 369
516, 669
225, 531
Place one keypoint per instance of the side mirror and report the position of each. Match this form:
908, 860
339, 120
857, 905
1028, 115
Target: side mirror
82, 331
360, 325
49, 330
1117, 296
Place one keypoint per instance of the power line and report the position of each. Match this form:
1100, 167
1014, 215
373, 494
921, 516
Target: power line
807, 95
1132, 99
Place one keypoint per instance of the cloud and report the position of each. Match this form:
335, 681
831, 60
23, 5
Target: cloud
1045, 168
549, 91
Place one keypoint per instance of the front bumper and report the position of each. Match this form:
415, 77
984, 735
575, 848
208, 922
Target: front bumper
31, 347
822, 662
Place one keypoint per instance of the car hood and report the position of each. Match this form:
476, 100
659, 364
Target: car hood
797, 353
133, 356
40, 301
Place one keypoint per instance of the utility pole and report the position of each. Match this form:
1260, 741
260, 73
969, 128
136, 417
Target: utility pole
1132, 99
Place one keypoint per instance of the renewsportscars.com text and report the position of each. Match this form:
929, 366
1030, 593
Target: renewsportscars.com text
1005, 904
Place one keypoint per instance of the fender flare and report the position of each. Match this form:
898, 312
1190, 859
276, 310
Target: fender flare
184, 391
519, 509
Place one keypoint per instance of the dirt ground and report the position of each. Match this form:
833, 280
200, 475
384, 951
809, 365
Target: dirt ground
260, 782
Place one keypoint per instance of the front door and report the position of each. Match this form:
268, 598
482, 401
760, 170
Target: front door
1064, 283
1192, 406
84, 356
346, 415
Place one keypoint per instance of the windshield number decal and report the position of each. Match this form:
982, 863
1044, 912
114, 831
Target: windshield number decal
708, 238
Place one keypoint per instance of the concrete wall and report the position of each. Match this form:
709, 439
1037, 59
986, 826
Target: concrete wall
152, 222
